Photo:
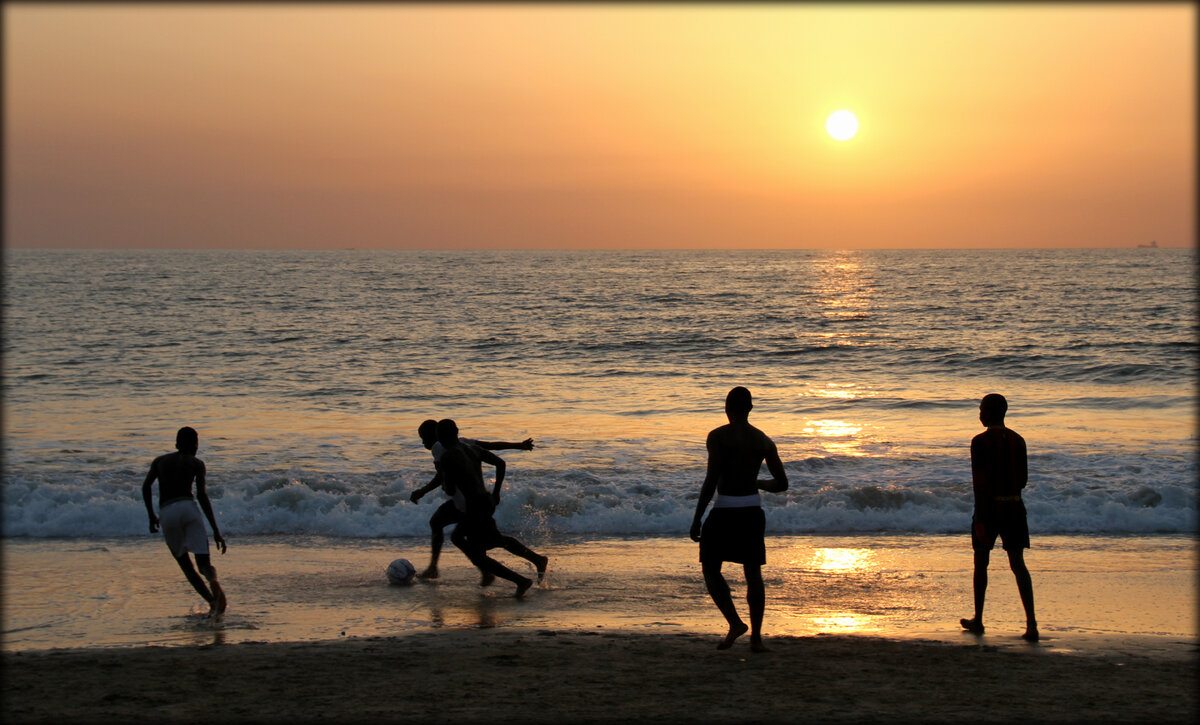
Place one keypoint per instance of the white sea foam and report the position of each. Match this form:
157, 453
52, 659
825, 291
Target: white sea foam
929, 494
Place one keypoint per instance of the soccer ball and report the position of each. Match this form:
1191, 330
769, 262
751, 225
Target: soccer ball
401, 571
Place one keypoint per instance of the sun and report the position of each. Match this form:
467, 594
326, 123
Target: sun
842, 125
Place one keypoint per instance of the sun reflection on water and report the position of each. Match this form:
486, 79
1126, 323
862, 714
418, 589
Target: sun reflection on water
841, 560
837, 436
843, 622
844, 565
831, 428
836, 391
842, 394
843, 286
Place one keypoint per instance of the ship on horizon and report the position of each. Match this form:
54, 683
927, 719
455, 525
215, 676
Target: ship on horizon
1151, 245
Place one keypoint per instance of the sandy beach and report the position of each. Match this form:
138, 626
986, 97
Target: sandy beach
544, 675
861, 628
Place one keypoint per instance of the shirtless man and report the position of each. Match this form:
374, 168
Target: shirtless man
476, 533
448, 514
182, 526
999, 470
735, 529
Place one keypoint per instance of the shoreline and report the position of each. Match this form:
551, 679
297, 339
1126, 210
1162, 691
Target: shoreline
533, 674
129, 593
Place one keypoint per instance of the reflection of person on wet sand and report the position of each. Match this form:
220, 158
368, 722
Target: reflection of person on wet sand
476, 533
448, 514
182, 526
481, 613
735, 528
999, 470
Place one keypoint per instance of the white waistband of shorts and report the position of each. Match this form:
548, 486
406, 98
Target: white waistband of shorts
737, 502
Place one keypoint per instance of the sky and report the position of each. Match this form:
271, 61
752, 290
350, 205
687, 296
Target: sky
597, 126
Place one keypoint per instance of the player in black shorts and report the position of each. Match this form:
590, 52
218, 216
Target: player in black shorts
448, 514
999, 470
734, 529
477, 532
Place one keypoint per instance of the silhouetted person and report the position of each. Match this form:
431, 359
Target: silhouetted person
179, 516
999, 470
477, 533
735, 529
448, 513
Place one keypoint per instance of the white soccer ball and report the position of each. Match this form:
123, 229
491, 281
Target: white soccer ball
401, 571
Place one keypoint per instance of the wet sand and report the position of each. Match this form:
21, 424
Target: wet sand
546, 675
1095, 595
861, 628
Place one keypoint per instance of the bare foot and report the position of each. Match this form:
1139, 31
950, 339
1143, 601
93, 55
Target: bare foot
541, 568
974, 626
756, 644
523, 586
219, 602
1031, 633
487, 579
735, 631
430, 573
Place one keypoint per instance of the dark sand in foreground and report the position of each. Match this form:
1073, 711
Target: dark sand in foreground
531, 675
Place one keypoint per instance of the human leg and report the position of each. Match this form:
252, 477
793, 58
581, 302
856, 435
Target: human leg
475, 536
980, 582
458, 538
491, 567
1016, 561
982, 541
437, 538
218, 602
445, 515
513, 546
718, 589
756, 597
189, 571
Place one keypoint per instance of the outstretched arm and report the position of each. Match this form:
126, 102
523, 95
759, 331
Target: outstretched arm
525, 445
778, 482
489, 457
206, 507
420, 492
147, 496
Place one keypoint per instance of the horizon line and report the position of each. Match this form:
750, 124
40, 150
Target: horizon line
569, 249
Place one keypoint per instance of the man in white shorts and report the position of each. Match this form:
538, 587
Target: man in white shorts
182, 526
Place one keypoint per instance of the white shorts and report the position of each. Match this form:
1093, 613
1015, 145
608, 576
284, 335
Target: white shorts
183, 528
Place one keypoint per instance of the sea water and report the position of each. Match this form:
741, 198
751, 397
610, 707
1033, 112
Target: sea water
306, 374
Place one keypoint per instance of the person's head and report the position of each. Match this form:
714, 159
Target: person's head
428, 432
992, 409
187, 441
737, 403
447, 432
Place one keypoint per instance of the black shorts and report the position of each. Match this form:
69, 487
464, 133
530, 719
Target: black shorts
445, 515
734, 534
478, 524
1010, 524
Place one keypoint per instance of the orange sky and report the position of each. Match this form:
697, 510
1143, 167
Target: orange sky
598, 126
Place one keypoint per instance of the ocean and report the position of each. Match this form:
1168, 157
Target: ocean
306, 374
